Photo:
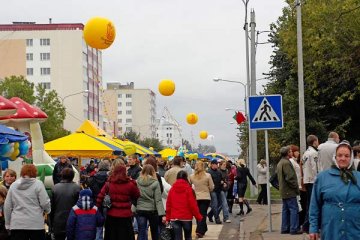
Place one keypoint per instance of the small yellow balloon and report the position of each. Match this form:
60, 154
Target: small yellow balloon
99, 33
151, 148
129, 149
166, 87
192, 118
203, 134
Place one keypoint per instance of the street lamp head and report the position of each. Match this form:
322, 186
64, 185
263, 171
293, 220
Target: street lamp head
86, 91
229, 109
217, 79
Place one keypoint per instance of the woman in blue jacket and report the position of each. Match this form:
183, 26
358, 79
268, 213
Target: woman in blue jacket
335, 201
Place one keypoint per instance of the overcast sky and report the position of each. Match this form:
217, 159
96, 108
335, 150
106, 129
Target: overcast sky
188, 41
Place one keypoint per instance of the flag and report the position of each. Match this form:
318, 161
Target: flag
239, 117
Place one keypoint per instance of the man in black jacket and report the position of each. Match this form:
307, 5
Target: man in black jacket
134, 168
96, 182
59, 166
216, 193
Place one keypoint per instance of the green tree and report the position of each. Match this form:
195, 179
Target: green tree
205, 149
17, 86
152, 142
50, 103
132, 136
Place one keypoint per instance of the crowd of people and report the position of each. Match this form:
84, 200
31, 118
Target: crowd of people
122, 198
320, 191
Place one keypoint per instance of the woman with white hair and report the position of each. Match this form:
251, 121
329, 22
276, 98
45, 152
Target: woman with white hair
242, 173
262, 180
335, 200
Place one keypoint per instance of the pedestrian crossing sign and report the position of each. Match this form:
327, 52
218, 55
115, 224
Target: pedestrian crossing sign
265, 112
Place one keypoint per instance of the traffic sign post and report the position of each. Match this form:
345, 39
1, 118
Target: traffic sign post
265, 112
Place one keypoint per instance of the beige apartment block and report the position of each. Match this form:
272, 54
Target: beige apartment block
127, 108
57, 57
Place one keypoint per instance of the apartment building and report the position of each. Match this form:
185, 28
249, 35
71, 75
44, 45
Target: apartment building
127, 108
57, 57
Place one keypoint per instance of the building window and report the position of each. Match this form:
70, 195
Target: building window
45, 42
119, 95
128, 104
29, 42
44, 56
29, 57
45, 71
128, 112
128, 95
119, 112
29, 71
128, 129
119, 104
128, 120
45, 85
167, 135
120, 120
170, 135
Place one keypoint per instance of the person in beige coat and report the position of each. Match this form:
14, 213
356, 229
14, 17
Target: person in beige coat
203, 185
262, 181
170, 175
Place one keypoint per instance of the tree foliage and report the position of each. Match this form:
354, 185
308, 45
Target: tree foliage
49, 102
152, 142
205, 149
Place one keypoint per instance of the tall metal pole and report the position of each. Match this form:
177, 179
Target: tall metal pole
253, 90
300, 80
268, 177
246, 28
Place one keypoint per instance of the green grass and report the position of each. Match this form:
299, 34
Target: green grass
275, 194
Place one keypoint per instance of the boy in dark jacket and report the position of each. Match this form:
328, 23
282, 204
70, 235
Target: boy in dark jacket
84, 218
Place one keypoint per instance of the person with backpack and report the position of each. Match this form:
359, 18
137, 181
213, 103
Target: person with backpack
84, 218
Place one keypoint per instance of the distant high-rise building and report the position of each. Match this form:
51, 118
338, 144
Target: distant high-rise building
129, 109
57, 57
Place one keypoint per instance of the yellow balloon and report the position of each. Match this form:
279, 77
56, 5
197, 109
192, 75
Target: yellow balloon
129, 149
167, 87
203, 134
14, 155
151, 148
99, 33
192, 118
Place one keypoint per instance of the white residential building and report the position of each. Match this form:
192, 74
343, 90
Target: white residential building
168, 130
57, 57
129, 109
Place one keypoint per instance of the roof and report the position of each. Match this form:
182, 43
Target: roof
41, 27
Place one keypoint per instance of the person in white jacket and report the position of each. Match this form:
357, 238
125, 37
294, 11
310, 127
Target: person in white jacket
25, 204
311, 168
262, 181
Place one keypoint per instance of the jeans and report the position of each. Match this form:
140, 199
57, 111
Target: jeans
179, 226
142, 219
215, 202
224, 206
290, 215
262, 198
99, 233
201, 225
309, 187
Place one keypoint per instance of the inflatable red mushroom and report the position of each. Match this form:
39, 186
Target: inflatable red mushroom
6, 107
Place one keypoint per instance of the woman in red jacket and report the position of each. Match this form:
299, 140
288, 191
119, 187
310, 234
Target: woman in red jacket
181, 206
123, 191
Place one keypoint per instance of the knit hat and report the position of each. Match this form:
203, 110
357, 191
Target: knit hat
214, 161
85, 199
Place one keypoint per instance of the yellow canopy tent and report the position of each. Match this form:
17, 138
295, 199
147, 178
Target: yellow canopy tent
81, 145
91, 128
168, 152
216, 155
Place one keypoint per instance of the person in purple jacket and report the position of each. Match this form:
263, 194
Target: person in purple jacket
84, 218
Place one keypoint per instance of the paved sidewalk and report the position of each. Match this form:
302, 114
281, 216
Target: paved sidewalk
255, 225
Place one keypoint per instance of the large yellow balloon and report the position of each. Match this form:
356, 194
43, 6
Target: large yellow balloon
129, 149
203, 134
192, 118
167, 87
99, 33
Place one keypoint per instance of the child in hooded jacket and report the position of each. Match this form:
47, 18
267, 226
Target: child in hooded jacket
181, 207
84, 218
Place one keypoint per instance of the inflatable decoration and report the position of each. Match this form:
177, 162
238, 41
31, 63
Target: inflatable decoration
129, 149
99, 33
167, 87
203, 134
192, 118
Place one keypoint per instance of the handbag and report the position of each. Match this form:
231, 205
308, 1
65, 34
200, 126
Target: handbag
167, 233
274, 181
106, 203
